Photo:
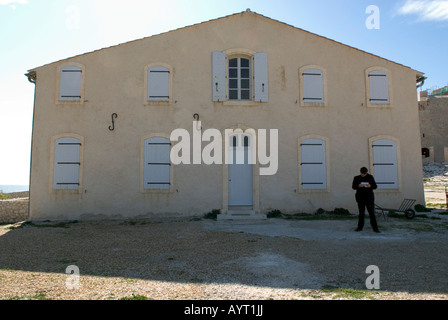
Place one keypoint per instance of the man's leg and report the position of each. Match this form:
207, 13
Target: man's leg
361, 210
371, 210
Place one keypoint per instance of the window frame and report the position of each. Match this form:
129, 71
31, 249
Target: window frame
146, 84
259, 85
367, 83
327, 164
302, 97
398, 165
238, 78
54, 139
143, 165
58, 84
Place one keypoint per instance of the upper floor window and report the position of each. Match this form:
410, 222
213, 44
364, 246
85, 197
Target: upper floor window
70, 83
239, 79
312, 85
239, 75
378, 86
158, 84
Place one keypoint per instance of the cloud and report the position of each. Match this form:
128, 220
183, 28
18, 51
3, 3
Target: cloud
6, 2
426, 10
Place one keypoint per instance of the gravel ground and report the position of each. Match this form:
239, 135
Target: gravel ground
190, 259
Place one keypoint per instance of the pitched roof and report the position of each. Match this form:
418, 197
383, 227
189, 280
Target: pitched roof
248, 11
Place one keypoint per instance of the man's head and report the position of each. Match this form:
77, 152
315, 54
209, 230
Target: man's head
364, 171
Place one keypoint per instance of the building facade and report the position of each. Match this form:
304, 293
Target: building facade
303, 112
433, 127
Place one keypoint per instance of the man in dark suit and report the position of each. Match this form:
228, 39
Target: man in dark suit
364, 184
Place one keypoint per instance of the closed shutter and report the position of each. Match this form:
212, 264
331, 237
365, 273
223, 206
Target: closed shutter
66, 163
313, 86
385, 163
219, 76
313, 164
157, 163
70, 84
261, 77
379, 87
158, 84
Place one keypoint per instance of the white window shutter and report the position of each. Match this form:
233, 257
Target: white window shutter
157, 163
313, 86
385, 163
379, 87
219, 76
313, 164
158, 84
70, 84
66, 163
261, 77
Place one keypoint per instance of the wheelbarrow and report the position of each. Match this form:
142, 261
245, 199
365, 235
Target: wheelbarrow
405, 207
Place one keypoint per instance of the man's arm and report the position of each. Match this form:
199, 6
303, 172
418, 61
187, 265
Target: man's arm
355, 183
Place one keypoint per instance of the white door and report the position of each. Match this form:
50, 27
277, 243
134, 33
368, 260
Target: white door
240, 170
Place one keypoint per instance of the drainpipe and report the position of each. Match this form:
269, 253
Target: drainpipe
32, 76
420, 81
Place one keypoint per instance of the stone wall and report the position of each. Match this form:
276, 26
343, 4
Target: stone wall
14, 210
434, 127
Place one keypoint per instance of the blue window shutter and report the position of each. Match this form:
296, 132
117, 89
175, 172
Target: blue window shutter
219, 76
261, 77
313, 86
70, 84
313, 164
379, 87
158, 84
157, 163
66, 163
385, 164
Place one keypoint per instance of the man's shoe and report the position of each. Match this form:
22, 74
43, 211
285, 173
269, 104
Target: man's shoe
357, 229
377, 231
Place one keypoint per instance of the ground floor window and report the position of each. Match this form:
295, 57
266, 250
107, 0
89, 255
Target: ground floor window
385, 163
157, 163
313, 164
67, 163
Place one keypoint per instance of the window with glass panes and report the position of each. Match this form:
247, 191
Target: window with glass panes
239, 79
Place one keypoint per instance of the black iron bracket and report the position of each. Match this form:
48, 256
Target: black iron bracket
112, 127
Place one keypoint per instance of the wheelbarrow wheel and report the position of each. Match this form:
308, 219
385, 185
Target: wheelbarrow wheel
410, 214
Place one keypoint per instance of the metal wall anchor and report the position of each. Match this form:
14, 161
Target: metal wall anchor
112, 127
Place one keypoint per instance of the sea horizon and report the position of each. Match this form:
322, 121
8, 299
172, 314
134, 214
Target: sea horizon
8, 188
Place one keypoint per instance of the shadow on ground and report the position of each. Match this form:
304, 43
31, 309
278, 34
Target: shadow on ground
275, 253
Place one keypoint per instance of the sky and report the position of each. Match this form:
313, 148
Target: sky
36, 32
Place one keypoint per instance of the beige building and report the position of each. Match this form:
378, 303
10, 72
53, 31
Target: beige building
106, 123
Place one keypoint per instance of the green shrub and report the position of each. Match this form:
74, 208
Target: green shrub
212, 214
421, 208
4, 196
274, 214
341, 212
